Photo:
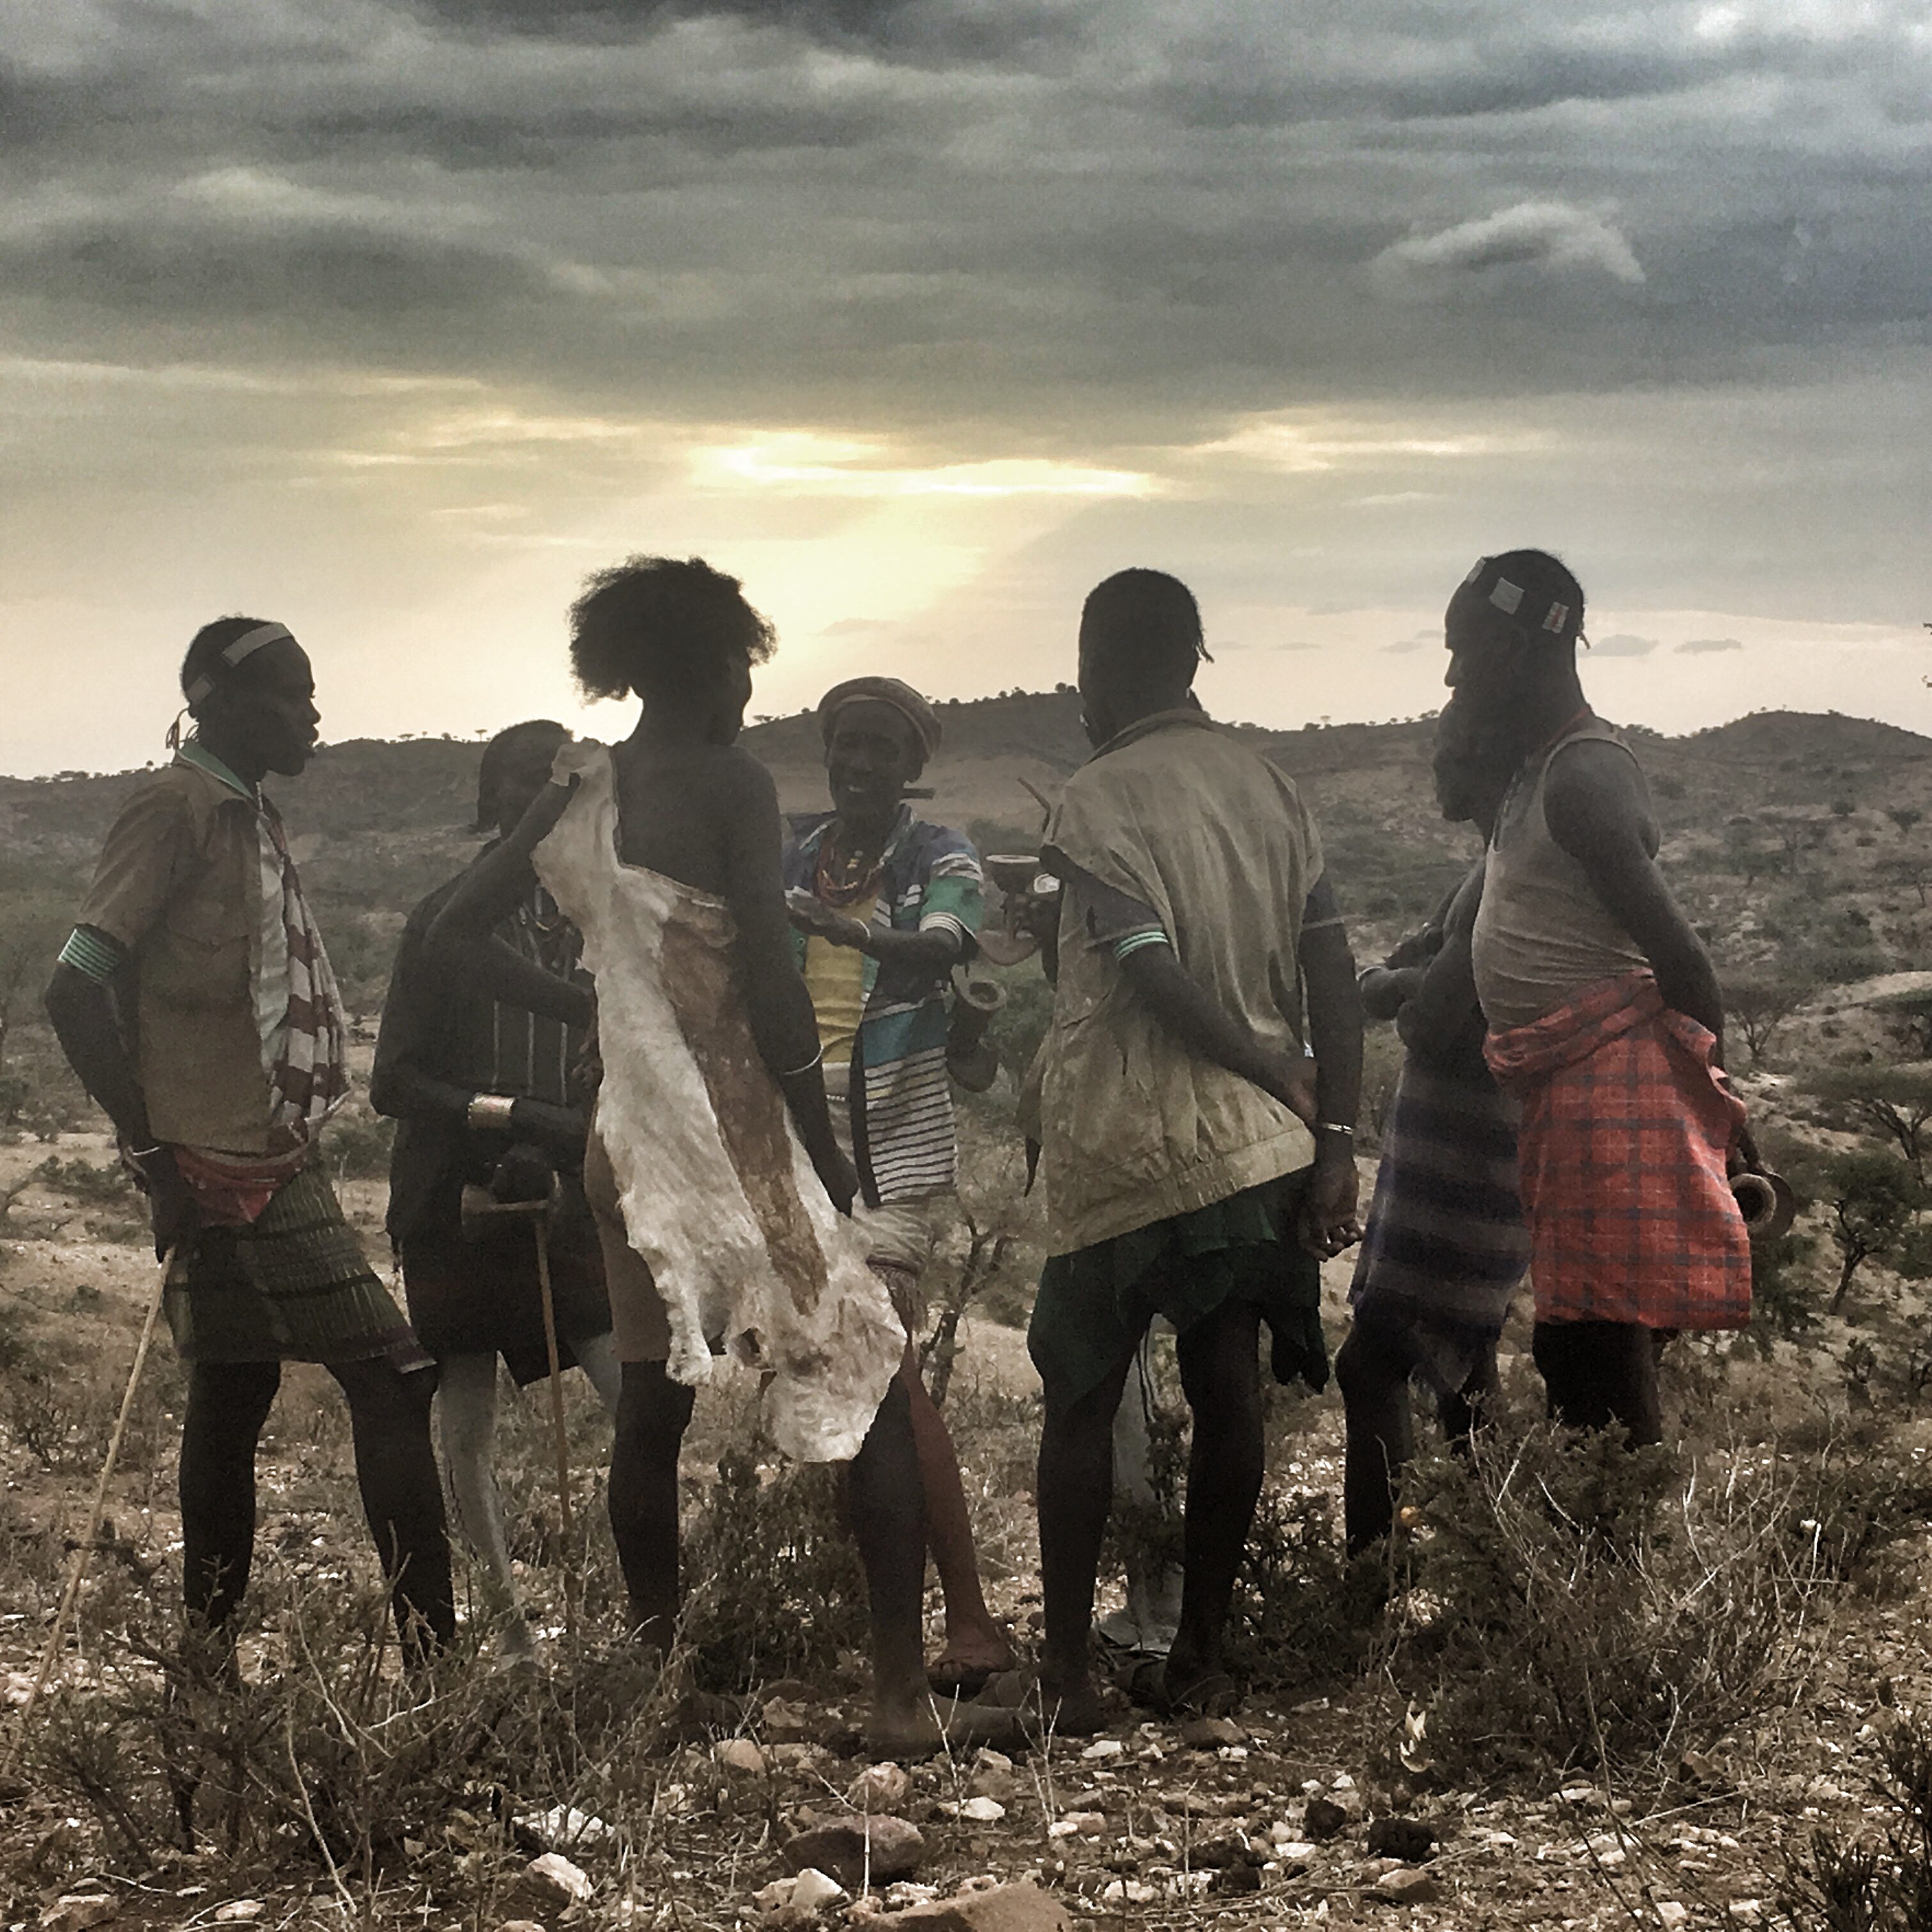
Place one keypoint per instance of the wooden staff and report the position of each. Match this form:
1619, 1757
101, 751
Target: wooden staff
77, 1567
563, 1440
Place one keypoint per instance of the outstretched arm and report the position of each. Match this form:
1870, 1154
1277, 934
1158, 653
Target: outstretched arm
1598, 811
463, 937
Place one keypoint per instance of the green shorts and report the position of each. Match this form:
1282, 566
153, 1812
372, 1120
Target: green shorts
1095, 1304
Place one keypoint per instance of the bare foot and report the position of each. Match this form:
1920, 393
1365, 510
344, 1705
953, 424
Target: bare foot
969, 1661
915, 1734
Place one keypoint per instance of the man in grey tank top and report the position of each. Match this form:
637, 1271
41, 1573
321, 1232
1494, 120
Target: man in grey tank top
1605, 1021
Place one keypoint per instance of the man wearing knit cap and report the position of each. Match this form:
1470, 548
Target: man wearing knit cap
883, 906
1605, 1021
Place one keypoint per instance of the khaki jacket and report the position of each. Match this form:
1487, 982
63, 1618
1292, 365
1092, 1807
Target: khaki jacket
179, 887
1177, 814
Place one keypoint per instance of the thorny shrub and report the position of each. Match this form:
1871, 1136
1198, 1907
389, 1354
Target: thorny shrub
329, 1756
1837, 1883
1567, 1601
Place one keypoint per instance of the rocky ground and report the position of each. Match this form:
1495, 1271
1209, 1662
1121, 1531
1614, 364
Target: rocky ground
1322, 1800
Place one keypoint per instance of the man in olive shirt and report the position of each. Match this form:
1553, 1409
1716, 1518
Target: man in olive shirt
196, 1003
1195, 1162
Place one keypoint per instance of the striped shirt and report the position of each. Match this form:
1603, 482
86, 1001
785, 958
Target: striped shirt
903, 1141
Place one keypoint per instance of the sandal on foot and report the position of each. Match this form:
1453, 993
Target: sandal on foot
949, 1677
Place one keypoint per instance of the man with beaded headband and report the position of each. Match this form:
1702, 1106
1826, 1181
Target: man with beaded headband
1605, 1021
196, 1003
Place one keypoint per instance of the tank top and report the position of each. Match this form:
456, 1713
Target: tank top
1542, 934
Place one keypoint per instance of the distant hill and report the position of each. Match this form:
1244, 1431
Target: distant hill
378, 823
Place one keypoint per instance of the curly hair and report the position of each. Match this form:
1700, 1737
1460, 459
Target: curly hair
659, 624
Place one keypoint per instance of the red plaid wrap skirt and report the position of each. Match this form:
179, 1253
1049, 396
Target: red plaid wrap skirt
1626, 1128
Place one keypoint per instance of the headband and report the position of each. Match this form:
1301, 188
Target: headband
232, 654
1507, 598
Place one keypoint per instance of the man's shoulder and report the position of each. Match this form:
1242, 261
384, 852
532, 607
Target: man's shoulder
932, 843
179, 794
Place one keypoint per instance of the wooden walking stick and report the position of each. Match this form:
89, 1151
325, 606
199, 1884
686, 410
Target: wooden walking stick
557, 1428
77, 1567
480, 1205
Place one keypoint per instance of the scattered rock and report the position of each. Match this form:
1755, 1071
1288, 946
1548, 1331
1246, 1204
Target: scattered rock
1103, 1747
1408, 1839
1220, 1853
76, 1911
1323, 1818
552, 1883
979, 1810
784, 1723
1242, 1877
990, 1782
898, 1897
239, 1912
739, 1754
1078, 1825
1129, 1891
1211, 1733
813, 1890
1405, 1885
879, 1787
562, 1825
1671, 1914
858, 1852
1023, 1907
520, 1925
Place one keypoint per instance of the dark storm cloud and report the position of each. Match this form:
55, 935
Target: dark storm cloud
1019, 213
902, 29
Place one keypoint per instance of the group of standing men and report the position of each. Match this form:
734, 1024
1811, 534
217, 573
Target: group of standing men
719, 1051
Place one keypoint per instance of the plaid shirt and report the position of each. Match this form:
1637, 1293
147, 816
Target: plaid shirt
1626, 1128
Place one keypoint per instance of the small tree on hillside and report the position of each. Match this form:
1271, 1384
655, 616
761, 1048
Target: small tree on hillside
1760, 1006
1895, 1101
1874, 1199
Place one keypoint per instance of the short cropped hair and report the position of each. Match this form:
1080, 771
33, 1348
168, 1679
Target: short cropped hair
1143, 624
204, 649
655, 624
498, 753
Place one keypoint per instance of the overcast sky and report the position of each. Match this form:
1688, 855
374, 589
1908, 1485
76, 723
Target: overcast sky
391, 321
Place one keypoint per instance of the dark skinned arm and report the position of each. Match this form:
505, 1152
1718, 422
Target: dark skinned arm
1598, 811
1334, 1008
1440, 1006
784, 1027
81, 1012
403, 1084
1186, 1009
1386, 990
463, 937
933, 951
